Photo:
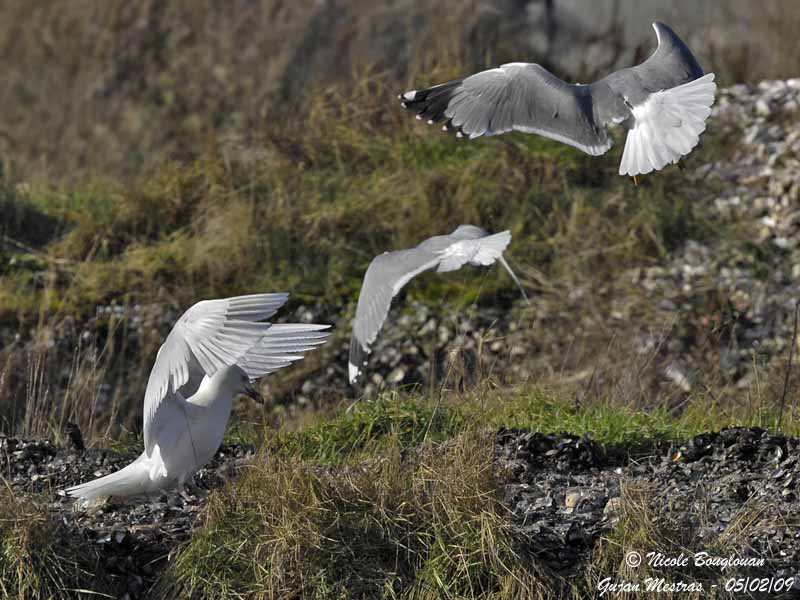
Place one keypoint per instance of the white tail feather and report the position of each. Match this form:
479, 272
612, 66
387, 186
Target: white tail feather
128, 481
491, 247
481, 251
667, 126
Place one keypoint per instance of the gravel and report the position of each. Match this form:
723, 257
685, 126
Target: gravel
130, 541
565, 492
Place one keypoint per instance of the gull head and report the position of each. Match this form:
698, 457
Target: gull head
235, 380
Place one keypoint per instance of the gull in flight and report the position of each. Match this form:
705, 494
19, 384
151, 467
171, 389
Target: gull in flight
213, 353
390, 271
664, 103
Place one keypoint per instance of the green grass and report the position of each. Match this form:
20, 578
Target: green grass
392, 527
153, 203
307, 209
395, 498
406, 420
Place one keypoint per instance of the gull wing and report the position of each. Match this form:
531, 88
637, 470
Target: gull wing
390, 271
671, 64
667, 126
211, 335
514, 97
480, 249
385, 277
280, 346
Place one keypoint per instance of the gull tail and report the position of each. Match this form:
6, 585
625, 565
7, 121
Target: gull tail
667, 126
128, 481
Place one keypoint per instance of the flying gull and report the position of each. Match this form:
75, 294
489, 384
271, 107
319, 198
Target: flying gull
213, 353
664, 102
390, 271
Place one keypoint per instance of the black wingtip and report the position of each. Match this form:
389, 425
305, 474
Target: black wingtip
430, 104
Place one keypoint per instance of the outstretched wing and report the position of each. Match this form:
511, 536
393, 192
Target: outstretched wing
671, 64
667, 126
390, 271
210, 335
514, 97
479, 248
665, 103
385, 277
480, 251
280, 346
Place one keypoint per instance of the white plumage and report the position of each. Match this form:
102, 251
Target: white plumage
390, 271
667, 126
664, 101
213, 352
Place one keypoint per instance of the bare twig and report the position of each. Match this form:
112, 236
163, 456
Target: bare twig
789, 367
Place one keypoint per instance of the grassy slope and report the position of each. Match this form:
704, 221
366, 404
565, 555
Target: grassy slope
307, 210
332, 508
396, 498
392, 498
335, 507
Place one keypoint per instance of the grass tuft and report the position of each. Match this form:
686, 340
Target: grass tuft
428, 526
37, 559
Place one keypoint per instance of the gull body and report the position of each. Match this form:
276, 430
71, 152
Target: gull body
213, 353
663, 102
390, 271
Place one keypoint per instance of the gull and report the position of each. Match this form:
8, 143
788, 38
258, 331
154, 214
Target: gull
214, 352
390, 271
664, 103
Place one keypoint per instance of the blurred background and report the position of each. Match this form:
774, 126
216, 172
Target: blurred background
156, 153
112, 87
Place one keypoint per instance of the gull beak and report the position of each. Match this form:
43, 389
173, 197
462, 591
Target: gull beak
251, 392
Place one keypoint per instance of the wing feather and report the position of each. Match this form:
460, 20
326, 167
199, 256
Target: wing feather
514, 97
210, 335
385, 277
390, 271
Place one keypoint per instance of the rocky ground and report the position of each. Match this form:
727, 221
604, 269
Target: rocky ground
566, 491
563, 493
128, 541
719, 303
723, 305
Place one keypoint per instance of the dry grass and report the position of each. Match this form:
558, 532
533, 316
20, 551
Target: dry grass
105, 87
38, 560
395, 498
259, 199
154, 153
422, 526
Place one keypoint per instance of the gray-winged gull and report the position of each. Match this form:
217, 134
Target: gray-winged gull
212, 354
390, 271
664, 102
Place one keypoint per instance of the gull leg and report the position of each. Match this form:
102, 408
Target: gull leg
635, 180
